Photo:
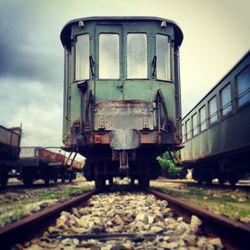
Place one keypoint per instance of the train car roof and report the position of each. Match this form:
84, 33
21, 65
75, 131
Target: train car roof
243, 58
65, 33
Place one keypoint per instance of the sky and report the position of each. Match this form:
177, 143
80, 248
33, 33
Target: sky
216, 36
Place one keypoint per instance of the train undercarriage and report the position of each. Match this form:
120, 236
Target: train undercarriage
140, 165
227, 167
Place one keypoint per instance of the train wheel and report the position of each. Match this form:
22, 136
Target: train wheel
208, 181
233, 180
144, 182
111, 181
28, 181
100, 183
222, 180
4, 179
132, 181
70, 177
199, 182
46, 181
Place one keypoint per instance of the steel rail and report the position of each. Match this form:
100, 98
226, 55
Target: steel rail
234, 235
31, 226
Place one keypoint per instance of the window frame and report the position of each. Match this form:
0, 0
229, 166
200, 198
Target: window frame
195, 128
75, 57
119, 56
201, 122
127, 56
169, 59
188, 132
183, 130
245, 92
227, 104
215, 114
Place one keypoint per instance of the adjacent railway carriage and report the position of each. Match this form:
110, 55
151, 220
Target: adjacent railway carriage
122, 103
10, 140
216, 132
39, 163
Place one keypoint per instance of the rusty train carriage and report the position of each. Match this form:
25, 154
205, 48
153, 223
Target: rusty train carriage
10, 140
122, 103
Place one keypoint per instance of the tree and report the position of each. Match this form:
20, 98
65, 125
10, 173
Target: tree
168, 166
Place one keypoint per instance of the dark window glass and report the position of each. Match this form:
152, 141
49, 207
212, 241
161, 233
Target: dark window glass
188, 129
226, 100
195, 124
212, 109
183, 133
243, 83
203, 121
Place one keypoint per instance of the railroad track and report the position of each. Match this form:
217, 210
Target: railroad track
234, 235
242, 184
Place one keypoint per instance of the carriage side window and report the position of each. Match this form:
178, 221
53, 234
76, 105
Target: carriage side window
136, 55
109, 61
243, 84
226, 100
82, 57
188, 129
212, 109
163, 57
195, 124
183, 133
203, 121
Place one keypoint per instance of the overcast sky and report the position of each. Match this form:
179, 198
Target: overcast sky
216, 36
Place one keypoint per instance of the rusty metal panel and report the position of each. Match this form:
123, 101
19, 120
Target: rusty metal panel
9, 137
40, 154
51, 156
126, 114
124, 139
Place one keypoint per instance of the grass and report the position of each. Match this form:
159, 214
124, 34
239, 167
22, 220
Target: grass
51, 195
232, 203
14, 210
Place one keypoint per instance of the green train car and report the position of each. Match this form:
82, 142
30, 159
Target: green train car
216, 132
122, 103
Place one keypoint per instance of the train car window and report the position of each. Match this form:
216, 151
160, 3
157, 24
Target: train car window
183, 133
137, 55
163, 57
195, 124
226, 100
109, 58
212, 110
188, 129
82, 57
203, 121
243, 84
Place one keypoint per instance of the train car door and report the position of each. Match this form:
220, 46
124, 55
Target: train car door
138, 55
109, 79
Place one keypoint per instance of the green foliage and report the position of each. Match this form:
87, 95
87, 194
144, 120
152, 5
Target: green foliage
168, 166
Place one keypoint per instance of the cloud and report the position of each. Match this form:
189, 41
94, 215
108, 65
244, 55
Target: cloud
31, 55
37, 106
27, 49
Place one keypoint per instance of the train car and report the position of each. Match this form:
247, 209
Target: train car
216, 134
10, 139
39, 163
122, 105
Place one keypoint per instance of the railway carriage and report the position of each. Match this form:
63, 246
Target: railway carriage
10, 140
122, 103
37, 163
216, 134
